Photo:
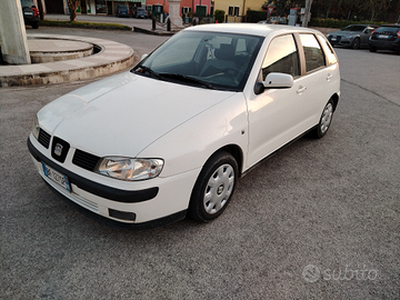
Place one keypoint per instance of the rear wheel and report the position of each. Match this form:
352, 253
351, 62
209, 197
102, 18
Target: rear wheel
214, 187
325, 120
372, 49
35, 25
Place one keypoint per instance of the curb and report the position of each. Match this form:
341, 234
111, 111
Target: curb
111, 57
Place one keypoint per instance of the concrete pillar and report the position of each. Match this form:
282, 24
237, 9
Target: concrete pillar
14, 45
175, 12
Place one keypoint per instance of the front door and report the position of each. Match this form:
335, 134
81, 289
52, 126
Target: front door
276, 115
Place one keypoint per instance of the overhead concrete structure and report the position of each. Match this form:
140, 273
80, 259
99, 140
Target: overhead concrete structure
175, 13
14, 46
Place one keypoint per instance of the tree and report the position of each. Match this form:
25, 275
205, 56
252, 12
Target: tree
73, 6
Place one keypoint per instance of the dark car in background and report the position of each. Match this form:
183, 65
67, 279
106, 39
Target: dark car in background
354, 36
30, 13
386, 37
140, 12
123, 11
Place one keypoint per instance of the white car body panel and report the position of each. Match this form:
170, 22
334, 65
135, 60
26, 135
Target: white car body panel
134, 105
132, 115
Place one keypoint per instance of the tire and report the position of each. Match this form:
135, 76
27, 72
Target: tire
372, 49
214, 187
325, 120
356, 44
35, 25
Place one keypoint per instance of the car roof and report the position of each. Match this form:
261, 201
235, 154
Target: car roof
250, 28
391, 25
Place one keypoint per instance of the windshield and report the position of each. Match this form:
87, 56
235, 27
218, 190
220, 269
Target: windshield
206, 59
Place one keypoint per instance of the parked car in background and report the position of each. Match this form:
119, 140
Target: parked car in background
274, 20
140, 12
123, 11
171, 137
354, 36
386, 37
30, 13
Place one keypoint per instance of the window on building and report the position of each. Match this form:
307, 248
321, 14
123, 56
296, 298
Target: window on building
236, 13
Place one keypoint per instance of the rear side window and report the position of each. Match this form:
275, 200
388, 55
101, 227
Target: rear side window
314, 55
330, 54
282, 56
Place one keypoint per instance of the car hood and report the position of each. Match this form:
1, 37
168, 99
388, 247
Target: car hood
125, 113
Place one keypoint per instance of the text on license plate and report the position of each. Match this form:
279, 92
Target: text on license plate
333, 39
57, 177
382, 36
28, 13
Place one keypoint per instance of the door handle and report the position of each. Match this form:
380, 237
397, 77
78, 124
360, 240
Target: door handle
328, 77
301, 89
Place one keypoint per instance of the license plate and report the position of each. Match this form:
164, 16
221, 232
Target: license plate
57, 177
28, 13
333, 39
382, 36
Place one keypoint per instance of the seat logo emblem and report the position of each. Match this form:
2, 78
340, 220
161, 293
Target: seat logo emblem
58, 149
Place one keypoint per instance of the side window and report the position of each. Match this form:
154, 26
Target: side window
312, 50
282, 56
330, 54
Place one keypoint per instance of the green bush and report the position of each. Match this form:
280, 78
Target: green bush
90, 25
254, 16
219, 15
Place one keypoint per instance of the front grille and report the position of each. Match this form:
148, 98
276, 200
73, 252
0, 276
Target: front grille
44, 138
85, 160
59, 149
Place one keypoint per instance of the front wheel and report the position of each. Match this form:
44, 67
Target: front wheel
356, 43
325, 120
214, 187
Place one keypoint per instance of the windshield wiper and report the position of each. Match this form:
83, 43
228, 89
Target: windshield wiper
187, 79
143, 70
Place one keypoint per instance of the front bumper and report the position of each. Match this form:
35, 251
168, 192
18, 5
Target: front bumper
157, 202
340, 41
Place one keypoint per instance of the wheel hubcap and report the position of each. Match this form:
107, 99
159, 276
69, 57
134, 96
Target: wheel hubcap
326, 117
218, 189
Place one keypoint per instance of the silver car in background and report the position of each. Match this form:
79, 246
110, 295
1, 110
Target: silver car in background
354, 36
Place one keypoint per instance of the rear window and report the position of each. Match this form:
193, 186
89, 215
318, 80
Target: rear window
388, 29
26, 3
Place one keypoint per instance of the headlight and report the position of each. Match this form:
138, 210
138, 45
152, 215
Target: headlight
130, 168
35, 127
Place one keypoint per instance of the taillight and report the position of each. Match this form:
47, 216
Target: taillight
398, 34
35, 11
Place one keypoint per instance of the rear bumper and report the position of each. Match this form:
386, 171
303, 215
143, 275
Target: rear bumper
385, 45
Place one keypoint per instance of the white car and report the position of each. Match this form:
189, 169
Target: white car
171, 137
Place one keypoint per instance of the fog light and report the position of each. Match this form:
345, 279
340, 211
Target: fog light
123, 215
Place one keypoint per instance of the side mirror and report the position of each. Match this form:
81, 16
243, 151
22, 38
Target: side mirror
278, 81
